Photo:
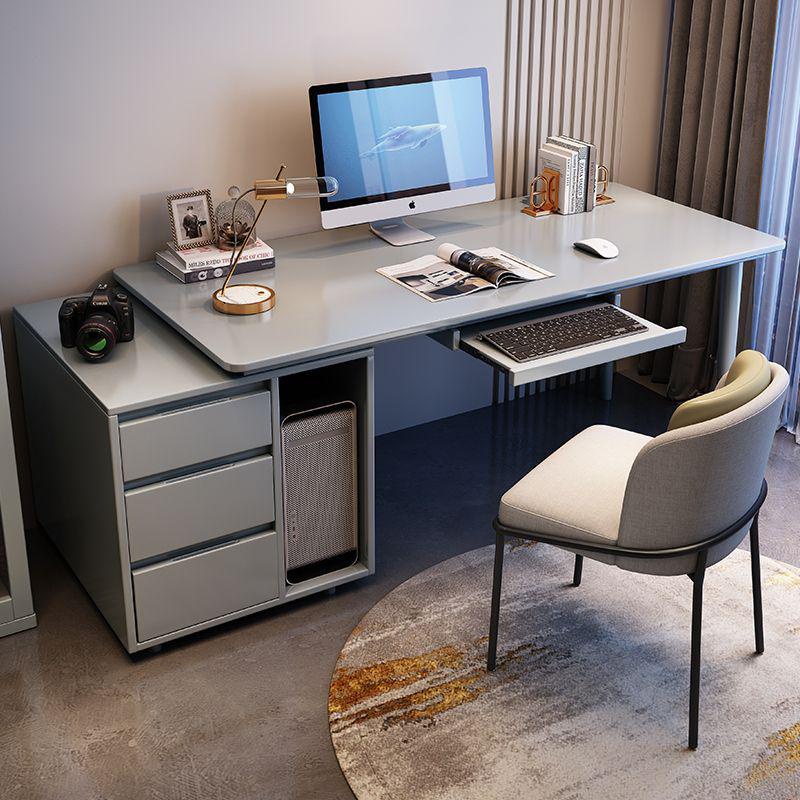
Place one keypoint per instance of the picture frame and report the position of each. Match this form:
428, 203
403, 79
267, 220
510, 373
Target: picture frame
191, 218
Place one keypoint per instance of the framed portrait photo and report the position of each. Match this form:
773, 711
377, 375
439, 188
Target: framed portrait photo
191, 216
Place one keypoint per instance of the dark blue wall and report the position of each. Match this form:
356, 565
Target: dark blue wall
418, 380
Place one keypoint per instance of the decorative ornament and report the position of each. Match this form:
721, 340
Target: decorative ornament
232, 231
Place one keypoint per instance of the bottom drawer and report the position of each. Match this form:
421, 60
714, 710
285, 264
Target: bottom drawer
186, 591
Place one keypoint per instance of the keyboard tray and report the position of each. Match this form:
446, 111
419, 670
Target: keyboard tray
466, 339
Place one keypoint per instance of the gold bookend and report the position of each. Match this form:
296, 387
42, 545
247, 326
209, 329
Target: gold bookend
543, 194
602, 194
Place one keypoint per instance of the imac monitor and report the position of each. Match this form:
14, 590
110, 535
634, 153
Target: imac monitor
401, 146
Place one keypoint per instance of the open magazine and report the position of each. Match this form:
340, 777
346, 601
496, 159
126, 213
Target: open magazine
436, 279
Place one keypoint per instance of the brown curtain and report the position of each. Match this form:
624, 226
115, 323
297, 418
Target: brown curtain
712, 144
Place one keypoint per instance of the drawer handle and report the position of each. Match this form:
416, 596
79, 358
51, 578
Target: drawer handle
207, 471
199, 473
185, 409
209, 403
212, 549
217, 547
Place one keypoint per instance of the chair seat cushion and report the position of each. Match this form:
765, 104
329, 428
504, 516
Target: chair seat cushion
578, 491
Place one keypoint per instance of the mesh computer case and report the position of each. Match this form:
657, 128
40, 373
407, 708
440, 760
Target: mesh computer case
320, 490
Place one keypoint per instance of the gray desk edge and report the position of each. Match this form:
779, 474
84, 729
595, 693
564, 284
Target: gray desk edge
455, 320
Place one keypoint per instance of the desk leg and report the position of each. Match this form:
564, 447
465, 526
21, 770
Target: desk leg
607, 370
730, 299
607, 381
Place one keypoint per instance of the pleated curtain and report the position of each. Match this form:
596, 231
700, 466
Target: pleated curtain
775, 314
710, 158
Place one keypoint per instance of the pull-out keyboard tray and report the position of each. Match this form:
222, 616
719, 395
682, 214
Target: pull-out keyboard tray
471, 339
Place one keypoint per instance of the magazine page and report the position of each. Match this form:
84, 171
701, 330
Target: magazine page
521, 269
434, 279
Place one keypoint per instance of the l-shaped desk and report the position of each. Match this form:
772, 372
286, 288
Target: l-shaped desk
181, 526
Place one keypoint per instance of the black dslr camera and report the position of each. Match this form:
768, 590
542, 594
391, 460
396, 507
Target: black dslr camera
94, 324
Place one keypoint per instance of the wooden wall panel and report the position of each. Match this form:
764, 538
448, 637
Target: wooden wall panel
565, 73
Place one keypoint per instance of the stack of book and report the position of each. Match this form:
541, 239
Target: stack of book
576, 163
204, 263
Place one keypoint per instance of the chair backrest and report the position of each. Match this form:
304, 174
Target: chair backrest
693, 482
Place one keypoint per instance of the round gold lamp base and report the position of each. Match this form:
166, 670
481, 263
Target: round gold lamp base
244, 298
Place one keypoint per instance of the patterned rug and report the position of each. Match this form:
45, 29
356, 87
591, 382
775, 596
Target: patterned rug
590, 696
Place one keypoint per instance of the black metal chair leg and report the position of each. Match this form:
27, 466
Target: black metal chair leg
497, 587
697, 625
576, 576
755, 568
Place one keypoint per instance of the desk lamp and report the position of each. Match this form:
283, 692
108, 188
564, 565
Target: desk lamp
252, 298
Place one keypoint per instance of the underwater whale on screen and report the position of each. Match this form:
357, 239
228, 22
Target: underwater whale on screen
405, 137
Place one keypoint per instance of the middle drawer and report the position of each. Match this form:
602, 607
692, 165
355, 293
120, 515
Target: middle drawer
188, 511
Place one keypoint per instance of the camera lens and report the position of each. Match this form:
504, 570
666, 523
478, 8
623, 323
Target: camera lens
96, 337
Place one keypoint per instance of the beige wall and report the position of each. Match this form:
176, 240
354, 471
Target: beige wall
108, 105
644, 92
641, 121
113, 103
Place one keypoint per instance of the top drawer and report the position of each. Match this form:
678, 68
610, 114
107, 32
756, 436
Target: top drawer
188, 436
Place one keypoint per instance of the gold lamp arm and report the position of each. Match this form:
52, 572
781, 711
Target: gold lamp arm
253, 298
238, 254
234, 255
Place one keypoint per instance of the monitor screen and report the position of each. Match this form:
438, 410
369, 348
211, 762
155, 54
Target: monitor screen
398, 137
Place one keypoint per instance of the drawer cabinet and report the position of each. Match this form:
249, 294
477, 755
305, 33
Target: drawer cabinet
170, 519
188, 511
203, 586
177, 439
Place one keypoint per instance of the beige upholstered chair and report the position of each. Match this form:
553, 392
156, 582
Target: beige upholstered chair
668, 505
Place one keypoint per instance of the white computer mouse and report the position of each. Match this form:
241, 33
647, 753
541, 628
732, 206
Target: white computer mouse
601, 248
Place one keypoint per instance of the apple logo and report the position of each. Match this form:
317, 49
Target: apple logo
412, 204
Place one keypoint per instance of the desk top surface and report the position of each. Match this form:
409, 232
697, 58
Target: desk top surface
331, 300
158, 367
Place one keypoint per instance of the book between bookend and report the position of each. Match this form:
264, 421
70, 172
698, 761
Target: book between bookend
576, 162
168, 260
211, 256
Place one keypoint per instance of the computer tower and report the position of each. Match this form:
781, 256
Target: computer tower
320, 490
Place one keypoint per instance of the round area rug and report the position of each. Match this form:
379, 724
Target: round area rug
590, 695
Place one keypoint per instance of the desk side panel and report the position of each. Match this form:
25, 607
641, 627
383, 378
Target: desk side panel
75, 465
12, 531
367, 464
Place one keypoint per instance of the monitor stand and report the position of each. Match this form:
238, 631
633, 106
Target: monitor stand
398, 232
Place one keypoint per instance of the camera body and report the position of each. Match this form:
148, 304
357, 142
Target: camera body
95, 323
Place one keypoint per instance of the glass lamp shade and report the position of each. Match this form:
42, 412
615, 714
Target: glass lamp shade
296, 188
324, 186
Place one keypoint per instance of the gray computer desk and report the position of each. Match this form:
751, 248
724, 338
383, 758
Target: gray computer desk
330, 299
158, 473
